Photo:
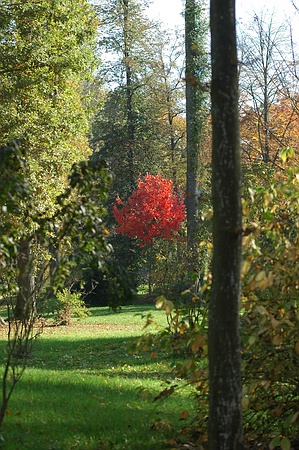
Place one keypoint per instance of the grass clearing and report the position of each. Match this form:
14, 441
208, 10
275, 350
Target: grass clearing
83, 389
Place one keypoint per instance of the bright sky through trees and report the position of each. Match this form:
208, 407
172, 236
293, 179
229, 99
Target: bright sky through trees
169, 11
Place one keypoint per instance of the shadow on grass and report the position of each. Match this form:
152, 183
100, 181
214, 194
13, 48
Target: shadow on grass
113, 355
54, 413
91, 394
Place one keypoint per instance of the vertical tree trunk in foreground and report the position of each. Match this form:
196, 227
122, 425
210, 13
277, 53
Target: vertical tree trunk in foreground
225, 416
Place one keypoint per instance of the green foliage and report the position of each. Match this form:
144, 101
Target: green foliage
68, 305
46, 53
270, 319
14, 189
75, 219
283, 443
286, 154
168, 264
185, 338
167, 268
110, 285
152, 136
123, 126
80, 215
142, 114
198, 65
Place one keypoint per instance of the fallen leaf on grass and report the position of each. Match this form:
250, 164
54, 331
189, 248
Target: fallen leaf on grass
184, 414
165, 393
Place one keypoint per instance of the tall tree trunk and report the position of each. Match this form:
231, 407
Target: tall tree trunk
173, 142
192, 126
197, 89
225, 415
129, 95
25, 301
266, 144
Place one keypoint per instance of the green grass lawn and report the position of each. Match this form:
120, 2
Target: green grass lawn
84, 389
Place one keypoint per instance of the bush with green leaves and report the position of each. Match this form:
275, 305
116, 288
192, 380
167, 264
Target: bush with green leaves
67, 306
270, 316
111, 285
185, 339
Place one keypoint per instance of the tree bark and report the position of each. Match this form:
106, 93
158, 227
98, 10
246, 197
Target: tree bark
129, 95
192, 125
225, 415
25, 301
197, 74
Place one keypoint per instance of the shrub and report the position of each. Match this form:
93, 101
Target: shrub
67, 306
270, 318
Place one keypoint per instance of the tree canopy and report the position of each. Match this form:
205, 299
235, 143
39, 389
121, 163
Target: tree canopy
153, 210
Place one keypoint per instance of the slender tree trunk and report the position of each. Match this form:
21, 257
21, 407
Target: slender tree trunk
225, 416
172, 142
129, 95
197, 73
266, 146
25, 302
192, 126
150, 269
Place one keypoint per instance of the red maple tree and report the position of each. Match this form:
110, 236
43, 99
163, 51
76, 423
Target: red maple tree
153, 210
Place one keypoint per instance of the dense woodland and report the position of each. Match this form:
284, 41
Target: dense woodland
147, 164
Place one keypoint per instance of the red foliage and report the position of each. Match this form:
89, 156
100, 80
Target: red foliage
153, 210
